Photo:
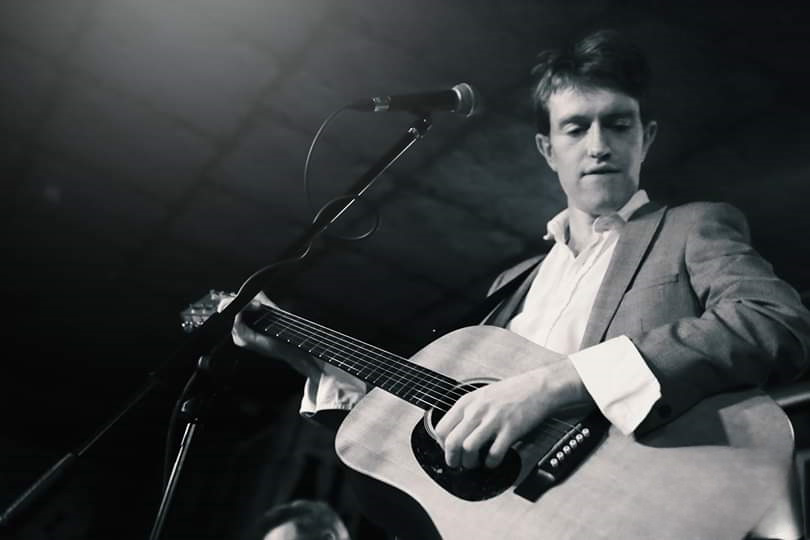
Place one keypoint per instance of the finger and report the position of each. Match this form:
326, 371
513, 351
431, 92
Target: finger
236, 331
450, 419
503, 441
255, 303
223, 303
262, 298
452, 448
258, 301
241, 334
245, 336
471, 447
237, 338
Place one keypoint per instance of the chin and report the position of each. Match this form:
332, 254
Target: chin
601, 207
611, 202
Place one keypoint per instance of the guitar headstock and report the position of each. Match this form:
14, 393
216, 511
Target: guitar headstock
198, 312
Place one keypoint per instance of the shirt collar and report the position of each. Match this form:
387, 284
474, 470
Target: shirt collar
557, 227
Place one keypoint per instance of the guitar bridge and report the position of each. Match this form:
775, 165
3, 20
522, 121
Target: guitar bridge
564, 457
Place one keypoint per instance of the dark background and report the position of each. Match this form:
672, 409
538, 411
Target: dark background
154, 149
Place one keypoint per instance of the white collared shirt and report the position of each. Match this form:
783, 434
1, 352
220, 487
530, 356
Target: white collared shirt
557, 308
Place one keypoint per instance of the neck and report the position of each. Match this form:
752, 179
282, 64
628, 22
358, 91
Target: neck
580, 228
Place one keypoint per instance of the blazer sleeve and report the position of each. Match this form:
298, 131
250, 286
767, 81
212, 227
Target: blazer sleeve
753, 325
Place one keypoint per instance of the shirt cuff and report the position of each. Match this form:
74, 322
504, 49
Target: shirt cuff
333, 389
619, 381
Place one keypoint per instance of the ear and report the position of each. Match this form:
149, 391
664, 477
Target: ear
650, 130
543, 143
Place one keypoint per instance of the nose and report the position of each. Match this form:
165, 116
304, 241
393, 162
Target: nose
597, 142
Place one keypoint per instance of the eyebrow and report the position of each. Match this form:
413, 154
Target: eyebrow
586, 119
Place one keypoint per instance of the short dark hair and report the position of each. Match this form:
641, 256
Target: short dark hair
313, 519
603, 59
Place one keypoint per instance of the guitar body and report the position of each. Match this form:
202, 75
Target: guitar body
710, 474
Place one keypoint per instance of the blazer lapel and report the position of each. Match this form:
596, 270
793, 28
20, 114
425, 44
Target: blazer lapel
630, 249
502, 313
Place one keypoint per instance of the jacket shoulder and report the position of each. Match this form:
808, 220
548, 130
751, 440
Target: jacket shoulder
697, 215
703, 209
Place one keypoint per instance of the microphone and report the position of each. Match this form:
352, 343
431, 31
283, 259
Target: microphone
461, 99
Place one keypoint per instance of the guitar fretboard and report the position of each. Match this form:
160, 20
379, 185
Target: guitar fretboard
390, 372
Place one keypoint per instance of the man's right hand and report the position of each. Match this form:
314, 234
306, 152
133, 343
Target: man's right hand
244, 336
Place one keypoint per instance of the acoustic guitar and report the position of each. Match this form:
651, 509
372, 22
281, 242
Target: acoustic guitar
710, 474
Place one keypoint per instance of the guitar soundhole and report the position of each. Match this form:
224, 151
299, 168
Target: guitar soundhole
469, 484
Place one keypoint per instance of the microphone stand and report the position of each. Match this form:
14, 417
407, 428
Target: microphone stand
215, 331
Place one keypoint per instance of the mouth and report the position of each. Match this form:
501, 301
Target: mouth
600, 171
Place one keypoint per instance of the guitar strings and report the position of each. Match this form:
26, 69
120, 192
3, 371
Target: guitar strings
548, 434
384, 366
348, 345
400, 363
448, 387
401, 371
551, 425
385, 357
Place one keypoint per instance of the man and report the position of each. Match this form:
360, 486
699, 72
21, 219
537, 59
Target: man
650, 308
700, 312
300, 520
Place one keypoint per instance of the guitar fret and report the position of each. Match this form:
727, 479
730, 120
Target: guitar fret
390, 384
419, 395
353, 370
365, 371
419, 401
397, 391
279, 332
375, 377
412, 394
410, 382
319, 349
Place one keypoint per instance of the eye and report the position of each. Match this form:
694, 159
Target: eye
622, 125
574, 130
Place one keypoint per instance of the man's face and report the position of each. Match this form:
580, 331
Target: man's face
286, 531
596, 145
289, 531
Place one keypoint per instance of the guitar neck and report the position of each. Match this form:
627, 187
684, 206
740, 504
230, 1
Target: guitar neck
390, 372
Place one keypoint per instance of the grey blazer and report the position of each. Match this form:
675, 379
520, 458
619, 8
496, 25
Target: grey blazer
705, 311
